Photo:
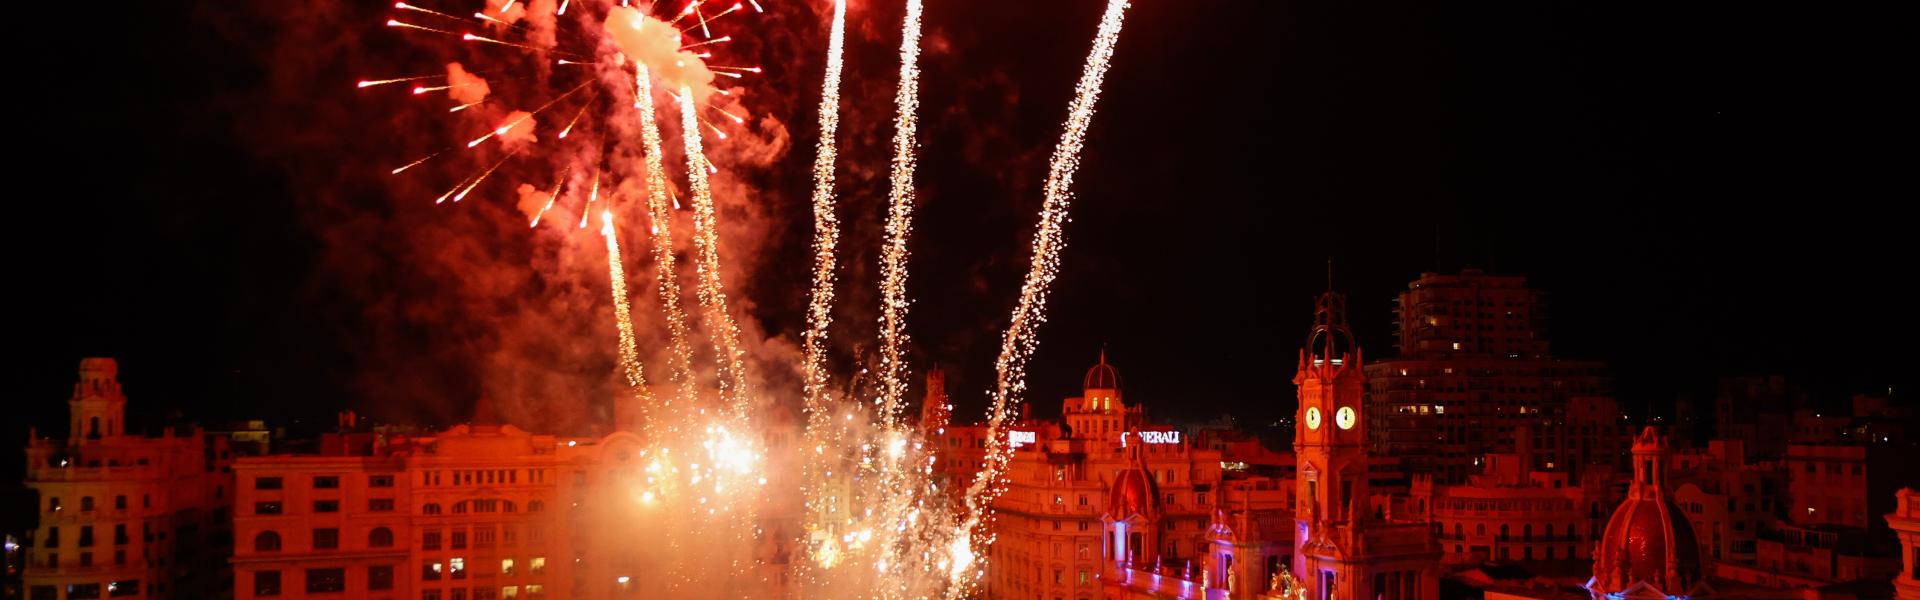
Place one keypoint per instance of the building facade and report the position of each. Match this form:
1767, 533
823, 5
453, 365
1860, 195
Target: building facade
124, 515
1474, 368
1905, 521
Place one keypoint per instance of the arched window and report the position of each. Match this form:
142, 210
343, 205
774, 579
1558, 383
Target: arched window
430, 509
1503, 532
509, 506
1480, 529
536, 506
1570, 533
1526, 533
459, 508
267, 541
1457, 533
380, 537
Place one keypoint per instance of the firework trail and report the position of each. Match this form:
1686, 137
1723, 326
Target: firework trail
1048, 239
826, 236
622, 312
706, 241
660, 214
893, 261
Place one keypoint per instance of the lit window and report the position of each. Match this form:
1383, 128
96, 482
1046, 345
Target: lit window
506, 566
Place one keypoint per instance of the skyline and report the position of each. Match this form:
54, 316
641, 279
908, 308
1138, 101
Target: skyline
1418, 125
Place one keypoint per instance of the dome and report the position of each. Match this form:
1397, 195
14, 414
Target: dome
1133, 493
1102, 376
1648, 539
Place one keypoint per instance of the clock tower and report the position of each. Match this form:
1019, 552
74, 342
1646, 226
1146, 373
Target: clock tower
1343, 548
1330, 436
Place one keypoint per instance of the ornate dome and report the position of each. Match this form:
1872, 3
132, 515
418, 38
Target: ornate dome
1133, 493
1102, 376
1648, 540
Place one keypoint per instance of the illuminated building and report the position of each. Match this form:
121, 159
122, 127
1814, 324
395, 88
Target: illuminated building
1065, 479
1649, 549
124, 515
1905, 521
1727, 498
1474, 367
1510, 513
477, 512
1343, 550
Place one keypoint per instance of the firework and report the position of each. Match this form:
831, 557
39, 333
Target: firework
826, 228
893, 261
706, 243
1048, 239
660, 214
622, 313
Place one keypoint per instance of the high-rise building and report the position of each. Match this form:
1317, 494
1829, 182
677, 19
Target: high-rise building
1474, 368
124, 515
1343, 550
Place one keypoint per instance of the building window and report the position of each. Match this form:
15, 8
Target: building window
86, 503
266, 541
123, 588
380, 481
536, 506
120, 534
506, 566
459, 539
430, 509
429, 594
86, 536
430, 540
380, 577
267, 483
83, 591
120, 502
326, 506
53, 505
266, 508
266, 583
457, 567
380, 537
320, 581
326, 539
536, 565
430, 571
326, 482
379, 505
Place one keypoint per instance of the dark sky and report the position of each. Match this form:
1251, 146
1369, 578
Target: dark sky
1699, 186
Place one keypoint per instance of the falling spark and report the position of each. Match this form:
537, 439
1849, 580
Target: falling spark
483, 177
366, 83
422, 159
483, 16
756, 6
1017, 345
405, 6
397, 23
592, 196
737, 119
704, 20
576, 116
706, 240
551, 198
507, 5
464, 106
893, 258
719, 40
680, 371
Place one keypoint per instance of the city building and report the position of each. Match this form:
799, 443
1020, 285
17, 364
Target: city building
1905, 521
1068, 477
1510, 513
1727, 498
476, 512
1649, 549
126, 515
1343, 550
1474, 368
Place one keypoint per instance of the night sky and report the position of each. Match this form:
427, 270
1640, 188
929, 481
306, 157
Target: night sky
1698, 186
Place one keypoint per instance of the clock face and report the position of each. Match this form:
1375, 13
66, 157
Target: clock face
1313, 417
1344, 418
